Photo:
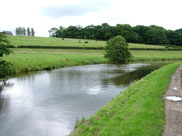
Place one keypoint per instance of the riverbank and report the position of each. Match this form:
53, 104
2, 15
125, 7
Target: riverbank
138, 111
29, 60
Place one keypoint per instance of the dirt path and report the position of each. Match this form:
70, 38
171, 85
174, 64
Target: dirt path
173, 106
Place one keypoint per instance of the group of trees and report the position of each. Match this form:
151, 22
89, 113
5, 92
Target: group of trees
23, 31
138, 34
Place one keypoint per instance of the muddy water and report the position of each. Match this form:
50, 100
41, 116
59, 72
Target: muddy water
48, 103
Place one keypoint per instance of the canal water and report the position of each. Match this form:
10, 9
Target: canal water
48, 103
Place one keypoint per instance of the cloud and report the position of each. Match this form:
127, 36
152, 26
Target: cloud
62, 11
77, 9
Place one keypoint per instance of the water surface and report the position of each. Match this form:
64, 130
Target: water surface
48, 103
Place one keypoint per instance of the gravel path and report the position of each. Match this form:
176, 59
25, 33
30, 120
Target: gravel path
173, 106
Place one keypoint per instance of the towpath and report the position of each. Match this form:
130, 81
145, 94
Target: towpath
173, 106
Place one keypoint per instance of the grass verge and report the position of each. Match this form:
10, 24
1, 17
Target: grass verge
137, 111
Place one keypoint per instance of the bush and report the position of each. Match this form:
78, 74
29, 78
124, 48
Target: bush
117, 50
3, 44
6, 69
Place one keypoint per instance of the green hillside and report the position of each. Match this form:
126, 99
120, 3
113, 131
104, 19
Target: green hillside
47, 41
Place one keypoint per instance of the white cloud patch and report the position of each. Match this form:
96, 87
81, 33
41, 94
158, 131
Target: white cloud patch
64, 11
75, 9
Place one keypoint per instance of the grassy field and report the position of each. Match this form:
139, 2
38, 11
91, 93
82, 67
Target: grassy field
26, 60
137, 111
45, 41
156, 55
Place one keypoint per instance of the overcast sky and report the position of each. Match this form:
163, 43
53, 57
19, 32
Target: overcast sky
45, 14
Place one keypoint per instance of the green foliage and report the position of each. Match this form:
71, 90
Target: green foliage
156, 35
117, 50
20, 31
6, 69
137, 111
139, 34
28, 32
32, 32
126, 31
3, 45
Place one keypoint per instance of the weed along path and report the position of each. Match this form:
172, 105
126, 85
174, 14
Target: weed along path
173, 106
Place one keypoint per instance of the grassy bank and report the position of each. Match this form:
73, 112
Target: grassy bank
137, 111
58, 42
26, 60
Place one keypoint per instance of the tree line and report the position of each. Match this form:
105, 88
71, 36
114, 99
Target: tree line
138, 34
23, 31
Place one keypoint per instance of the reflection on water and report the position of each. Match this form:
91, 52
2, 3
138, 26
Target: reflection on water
127, 78
48, 103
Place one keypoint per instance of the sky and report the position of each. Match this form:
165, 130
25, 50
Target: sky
42, 15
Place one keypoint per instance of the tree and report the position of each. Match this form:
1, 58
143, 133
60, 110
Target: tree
3, 44
6, 68
179, 37
141, 32
117, 50
20, 31
59, 32
124, 30
24, 31
156, 35
28, 31
52, 32
32, 32
172, 37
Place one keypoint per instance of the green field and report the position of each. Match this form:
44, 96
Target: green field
137, 111
156, 55
26, 60
45, 41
